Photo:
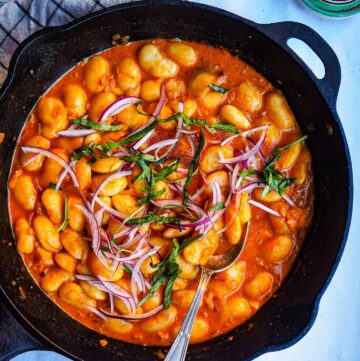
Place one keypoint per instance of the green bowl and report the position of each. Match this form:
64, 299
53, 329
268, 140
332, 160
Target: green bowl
334, 8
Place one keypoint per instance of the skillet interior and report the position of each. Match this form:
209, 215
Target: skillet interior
287, 316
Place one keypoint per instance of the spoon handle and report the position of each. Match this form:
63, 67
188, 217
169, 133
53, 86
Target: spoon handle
180, 345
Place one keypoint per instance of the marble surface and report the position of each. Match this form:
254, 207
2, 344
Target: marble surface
336, 332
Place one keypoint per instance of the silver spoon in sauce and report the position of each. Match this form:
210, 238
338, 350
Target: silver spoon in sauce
215, 264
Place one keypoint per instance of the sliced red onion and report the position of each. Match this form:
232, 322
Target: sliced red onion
260, 151
30, 160
134, 317
195, 224
105, 182
221, 157
188, 132
114, 288
192, 145
161, 101
157, 111
159, 145
228, 140
118, 106
96, 311
174, 203
196, 195
138, 252
182, 170
233, 177
94, 227
111, 301
111, 211
99, 214
264, 208
140, 142
121, 151
72, 133
63, 175
253, 130
244, 164
248, 154
123, 232
217, 195
250, 187
289, 200
54, 157
137, 269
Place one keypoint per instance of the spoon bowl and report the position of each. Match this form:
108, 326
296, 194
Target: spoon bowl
215, 264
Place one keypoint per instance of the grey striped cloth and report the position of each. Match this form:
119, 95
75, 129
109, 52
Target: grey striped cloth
20, 18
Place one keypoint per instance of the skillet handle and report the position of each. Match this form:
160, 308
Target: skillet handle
283, 31
14, 339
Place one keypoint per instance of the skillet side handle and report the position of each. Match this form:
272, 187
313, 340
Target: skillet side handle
14, 339
283, 31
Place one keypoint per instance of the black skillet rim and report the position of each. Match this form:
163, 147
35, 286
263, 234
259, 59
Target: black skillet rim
43, 33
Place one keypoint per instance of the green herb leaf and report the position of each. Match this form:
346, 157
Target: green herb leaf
169, 288
152, 190
66, 215
217, 206
153, 289
277, 150
248, 172
227, 127
135, 157
187, 242
192, 167
156, 218
52, 185
166, 171
127, 269
97, 126
169, 270
132, 138
218, 89
89, 150
274, 179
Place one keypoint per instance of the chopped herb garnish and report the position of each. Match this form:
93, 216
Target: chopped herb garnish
139, 156
167, 270
156, 218
217, 206
127, 269
125, 221
132, 138
175, 271
152, 190
139, 111
97, 126
218, 89
192, 167
277, 150
274, 179
271, 177
166, 171
52, 185
66, 215
248, 172
201, 122
227, 127
90, 150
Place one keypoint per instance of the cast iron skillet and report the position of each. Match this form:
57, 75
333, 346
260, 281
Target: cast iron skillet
287, 317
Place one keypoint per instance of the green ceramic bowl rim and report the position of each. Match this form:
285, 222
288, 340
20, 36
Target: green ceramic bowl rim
332, 9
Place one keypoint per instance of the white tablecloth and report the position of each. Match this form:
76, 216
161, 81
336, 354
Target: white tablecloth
336, 332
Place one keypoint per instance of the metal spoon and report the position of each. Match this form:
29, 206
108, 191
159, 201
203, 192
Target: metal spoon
215, 264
